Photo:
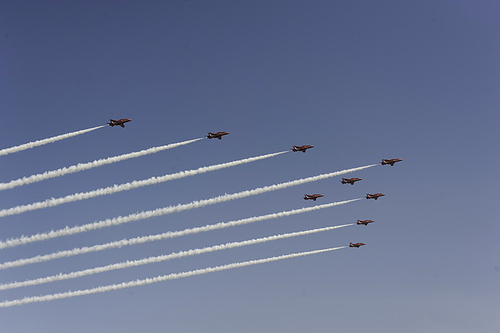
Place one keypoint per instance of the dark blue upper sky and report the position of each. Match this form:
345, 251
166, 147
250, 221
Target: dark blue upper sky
360, 80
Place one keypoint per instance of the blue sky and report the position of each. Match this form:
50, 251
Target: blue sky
360, 80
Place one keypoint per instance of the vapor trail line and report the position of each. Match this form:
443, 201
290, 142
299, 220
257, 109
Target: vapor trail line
127, 186
85, 166
152, 238
45, 141
165, 257
167, 210
172, 234
173, 276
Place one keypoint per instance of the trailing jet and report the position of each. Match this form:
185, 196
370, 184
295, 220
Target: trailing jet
356, 244
391, 161
217, 135
374, 196
365, 222
118, 122
350, 180
301, 148
312, 196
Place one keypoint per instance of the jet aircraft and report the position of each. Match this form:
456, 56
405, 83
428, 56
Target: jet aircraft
374, 196
312, 196
356, 244
217, 135
118, 122
350, 180
391, 161
364, 222
301, 148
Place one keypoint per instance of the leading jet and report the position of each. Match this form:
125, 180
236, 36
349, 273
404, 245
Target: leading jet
356, 245
118, 122
301, 148
391, 161
217, 135
364, 222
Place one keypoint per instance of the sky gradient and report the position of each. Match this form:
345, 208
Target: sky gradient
359, 80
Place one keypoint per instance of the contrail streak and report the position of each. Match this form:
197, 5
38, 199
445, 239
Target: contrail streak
85, 166
162, 236
173, 276
171, 234
45, 141
127, 186
167, 210
165, 257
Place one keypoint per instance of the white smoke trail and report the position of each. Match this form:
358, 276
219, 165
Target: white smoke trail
168, 210
85, 166
95, 248
160, 278
165, 257
171, 234
162, 236
127, 186
45, 141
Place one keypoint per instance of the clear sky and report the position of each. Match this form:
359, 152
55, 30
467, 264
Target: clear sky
359, 80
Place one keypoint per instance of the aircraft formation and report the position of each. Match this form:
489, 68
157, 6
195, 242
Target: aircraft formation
303, 148
349, 181
158, 212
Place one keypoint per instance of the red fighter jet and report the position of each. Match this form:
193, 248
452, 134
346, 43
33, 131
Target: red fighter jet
365, 222
374, 196
350, 180
391, 161
312, 196
118, 122
217, 135
356, 244
301, 148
